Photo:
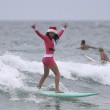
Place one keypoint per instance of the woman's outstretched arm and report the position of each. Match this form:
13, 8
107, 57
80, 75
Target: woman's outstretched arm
38, 32
64, 27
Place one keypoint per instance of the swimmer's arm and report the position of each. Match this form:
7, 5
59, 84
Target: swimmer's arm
81, 47
78, 48
102, 57
92, 47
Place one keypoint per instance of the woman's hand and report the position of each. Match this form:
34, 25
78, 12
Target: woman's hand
34, 26
65, 25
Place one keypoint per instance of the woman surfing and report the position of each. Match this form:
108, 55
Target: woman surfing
50, 38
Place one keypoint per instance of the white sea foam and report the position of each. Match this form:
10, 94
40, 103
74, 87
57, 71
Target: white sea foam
10, 76
97, 73
12, 65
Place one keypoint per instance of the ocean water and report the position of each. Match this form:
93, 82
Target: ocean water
21, 52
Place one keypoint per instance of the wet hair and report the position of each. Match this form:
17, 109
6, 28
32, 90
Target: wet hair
101, 49
56, 38
83, 42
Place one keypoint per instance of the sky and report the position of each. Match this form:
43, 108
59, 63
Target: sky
54, 9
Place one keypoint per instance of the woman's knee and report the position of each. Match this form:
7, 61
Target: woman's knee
45, 74
57, 74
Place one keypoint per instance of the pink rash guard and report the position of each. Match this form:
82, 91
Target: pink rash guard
48, 57
48, 43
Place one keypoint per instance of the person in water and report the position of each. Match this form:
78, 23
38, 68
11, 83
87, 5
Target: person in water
103, 55
84, 46
50, 39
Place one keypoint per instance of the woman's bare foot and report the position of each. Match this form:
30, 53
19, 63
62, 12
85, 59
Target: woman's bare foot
59, 91
39, 87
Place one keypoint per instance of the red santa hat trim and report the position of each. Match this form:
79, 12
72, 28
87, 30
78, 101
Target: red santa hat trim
52, 29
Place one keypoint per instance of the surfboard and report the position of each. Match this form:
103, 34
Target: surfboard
96, 62
89, 58
66, 94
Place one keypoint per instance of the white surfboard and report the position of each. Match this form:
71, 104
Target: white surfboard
96, 62
89, 58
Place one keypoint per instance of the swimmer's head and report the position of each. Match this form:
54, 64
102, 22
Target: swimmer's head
101, 50
83, 42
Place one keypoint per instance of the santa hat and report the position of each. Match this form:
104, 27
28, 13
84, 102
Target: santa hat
52, 29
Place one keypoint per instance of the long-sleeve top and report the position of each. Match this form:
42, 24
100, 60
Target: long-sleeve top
48, 42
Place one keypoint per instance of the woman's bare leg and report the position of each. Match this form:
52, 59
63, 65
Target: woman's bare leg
44, 76
55, 70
